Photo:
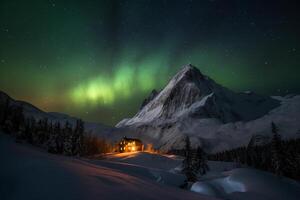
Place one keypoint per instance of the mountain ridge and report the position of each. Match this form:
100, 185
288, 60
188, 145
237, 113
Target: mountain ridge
189, 86
30, 110
193, 104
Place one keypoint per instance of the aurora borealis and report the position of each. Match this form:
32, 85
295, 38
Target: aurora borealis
99, 59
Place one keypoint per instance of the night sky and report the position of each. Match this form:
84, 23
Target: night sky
99, 59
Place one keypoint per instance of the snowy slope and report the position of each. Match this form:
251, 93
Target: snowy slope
215, 117
225, 180
28, 173
146, 159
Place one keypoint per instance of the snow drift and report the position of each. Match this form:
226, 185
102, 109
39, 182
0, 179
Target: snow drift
242, 184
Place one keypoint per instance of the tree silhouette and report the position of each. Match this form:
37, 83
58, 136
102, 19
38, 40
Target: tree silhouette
201, 161
278, 158
188, 166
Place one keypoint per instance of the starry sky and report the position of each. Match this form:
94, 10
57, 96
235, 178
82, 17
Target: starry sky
98, 60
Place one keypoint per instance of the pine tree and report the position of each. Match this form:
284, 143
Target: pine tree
201, 161
17, 117
187, 165
277, 151
68, 139
60, 137
43, 131
37, 136
78, 138
33, 130
4, 112
19, 123
52, 141
8, 119
266, 157
28, 133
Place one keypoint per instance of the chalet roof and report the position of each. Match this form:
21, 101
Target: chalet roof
132, 139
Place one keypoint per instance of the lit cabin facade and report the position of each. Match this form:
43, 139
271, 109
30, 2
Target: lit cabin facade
130, 145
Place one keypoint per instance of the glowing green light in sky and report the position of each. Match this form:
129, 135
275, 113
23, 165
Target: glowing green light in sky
98, 60
98, 90
121, 84
131, 75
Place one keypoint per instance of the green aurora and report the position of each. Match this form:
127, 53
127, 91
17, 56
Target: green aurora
99, 60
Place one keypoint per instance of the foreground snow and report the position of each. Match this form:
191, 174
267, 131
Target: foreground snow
242, 184
29, 173
225, 180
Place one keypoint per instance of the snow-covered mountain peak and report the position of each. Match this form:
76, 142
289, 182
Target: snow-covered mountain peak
194, 104
185, 88
189, 72
183, 94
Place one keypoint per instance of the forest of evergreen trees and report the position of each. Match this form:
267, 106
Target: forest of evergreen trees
278, 156
67, 139
281, 157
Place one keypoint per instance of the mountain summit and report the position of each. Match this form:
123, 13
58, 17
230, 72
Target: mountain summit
194, 104
190, 93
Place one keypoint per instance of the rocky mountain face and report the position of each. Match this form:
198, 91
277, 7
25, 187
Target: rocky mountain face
193, 104
152, 95
191, 93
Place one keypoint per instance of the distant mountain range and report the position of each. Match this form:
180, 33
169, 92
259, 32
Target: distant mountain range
193, 104
30, 110
212, 115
